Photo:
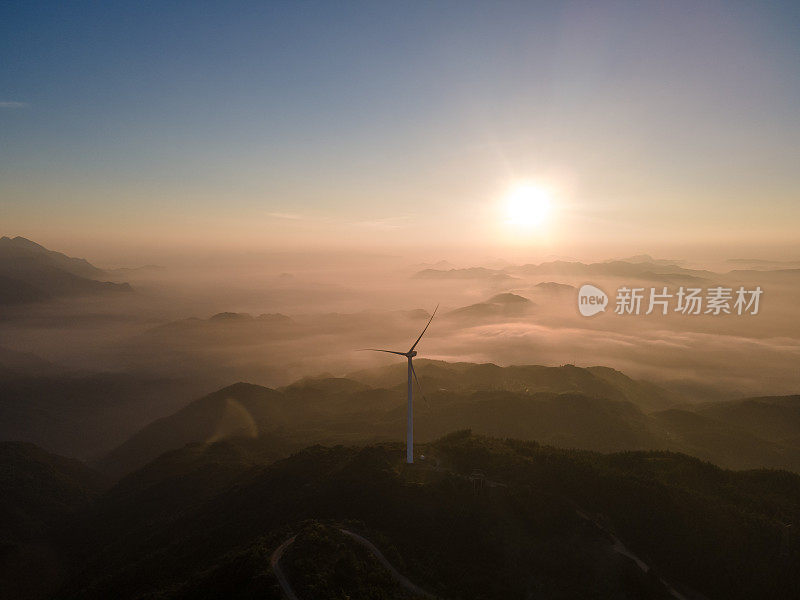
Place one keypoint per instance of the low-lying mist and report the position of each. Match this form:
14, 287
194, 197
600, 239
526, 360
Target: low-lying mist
273, 319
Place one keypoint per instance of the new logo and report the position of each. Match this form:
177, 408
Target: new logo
591, 300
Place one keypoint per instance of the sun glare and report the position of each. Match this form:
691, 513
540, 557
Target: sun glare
527, 206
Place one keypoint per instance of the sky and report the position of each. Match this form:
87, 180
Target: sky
345, 124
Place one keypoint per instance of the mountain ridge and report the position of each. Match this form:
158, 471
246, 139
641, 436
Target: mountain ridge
595, 408
29, 273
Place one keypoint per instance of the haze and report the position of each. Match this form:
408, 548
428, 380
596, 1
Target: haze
129, 132
210, 210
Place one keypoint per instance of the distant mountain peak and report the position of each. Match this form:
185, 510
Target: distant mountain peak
500, 305
231, 316
241, 386
552, 286
508, 298
469, 273
29, 272
21, 241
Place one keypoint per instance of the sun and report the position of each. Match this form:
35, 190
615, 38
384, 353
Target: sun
527, 206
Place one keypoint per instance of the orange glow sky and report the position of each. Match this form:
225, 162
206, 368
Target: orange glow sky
653, 126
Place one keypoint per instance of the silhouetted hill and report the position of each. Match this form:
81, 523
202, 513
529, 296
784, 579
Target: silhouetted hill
646, 258
500, 305
637, 267
764, 264
188, 477
22, 254
371, 404
55, 282
508, 299
723, 443
594, 408
309, 411
39, 494
554, 523
644, 394
15, 364
30, 273
307, 414
15, 291
323, 562
38, 489
766, 276
225, 324
132, 270
774, 418
326, 385
650, 270
470, 273
558, 289
78, 414
471, 377
239, 410
565, 420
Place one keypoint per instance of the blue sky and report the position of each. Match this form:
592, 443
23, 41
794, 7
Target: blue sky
292, 121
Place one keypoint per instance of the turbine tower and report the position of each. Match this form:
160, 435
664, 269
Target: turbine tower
410, 416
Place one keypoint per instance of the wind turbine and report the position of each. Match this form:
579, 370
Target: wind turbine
410, 416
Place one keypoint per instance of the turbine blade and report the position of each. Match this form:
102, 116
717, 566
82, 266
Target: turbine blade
378, 350
426, 328
414, 371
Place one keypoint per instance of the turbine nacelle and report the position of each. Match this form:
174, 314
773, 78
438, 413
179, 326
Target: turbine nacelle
411, 353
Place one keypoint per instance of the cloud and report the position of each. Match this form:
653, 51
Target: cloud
744, 365
13, 104
383, 224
